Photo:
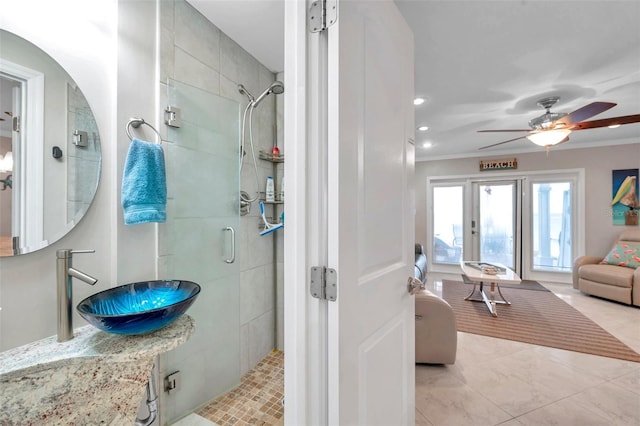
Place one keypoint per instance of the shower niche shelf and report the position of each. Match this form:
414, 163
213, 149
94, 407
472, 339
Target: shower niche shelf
267, 156
263, 198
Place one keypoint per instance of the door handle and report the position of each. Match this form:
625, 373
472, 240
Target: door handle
233, 244
413, 285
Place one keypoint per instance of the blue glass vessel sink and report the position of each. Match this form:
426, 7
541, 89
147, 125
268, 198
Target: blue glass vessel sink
139, 308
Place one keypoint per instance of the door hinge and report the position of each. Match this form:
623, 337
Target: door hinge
16, 124
173, 116
324, 283
322, 14
173, 382
80, 138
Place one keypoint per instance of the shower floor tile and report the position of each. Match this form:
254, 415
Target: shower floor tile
258, 399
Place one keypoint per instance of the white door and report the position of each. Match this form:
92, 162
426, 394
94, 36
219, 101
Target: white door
370, 206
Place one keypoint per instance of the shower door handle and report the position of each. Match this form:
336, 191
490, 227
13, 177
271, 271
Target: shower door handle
233, 244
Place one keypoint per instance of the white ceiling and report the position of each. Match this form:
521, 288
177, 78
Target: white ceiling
484, 64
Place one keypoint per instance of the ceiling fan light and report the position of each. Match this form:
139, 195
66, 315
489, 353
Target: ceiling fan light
549, 137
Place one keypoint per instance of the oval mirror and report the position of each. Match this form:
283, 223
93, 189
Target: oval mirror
49, 149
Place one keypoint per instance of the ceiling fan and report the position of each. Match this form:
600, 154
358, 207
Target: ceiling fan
553, 128
10, 114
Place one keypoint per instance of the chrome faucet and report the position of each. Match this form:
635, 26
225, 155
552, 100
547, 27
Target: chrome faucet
64, 274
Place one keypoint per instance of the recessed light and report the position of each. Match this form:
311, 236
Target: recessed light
426, 145
418, 101
423, 128
614, 126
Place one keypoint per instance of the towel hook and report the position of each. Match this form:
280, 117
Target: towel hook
137, 122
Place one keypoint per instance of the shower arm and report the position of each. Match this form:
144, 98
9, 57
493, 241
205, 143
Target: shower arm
245, 92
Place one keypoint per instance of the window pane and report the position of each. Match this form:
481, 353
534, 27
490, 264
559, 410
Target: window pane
552, 225
447, 224
497, 213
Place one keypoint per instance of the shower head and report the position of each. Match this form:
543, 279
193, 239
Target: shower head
245, 92
277, 87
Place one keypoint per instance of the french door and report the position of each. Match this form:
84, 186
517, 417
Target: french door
532, 222
496, 222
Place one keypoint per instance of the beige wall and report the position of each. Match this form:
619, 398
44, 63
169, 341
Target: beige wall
28, 282
597, 163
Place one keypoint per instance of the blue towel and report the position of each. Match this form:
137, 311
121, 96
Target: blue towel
144, 185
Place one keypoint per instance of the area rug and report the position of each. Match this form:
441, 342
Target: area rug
525, 285
536, 317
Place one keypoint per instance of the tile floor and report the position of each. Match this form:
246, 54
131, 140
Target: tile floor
502, 382
493, 382
258, 399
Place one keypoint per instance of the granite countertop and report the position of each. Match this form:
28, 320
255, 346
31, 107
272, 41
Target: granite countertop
47, 382
89, 342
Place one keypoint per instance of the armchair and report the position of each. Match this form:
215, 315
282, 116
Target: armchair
611, 281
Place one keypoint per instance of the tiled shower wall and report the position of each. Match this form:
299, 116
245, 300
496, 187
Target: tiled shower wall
196, 52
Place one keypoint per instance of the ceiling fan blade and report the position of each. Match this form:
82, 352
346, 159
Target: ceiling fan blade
583, 113
606, 122
507, 130
503, 142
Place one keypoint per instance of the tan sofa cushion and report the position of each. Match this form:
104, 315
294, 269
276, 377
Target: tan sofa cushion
436, 330
608, 274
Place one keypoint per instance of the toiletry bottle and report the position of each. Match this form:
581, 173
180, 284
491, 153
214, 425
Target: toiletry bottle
269, 191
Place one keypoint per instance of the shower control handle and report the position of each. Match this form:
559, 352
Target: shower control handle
233, 244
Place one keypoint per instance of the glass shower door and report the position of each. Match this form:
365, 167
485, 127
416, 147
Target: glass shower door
196, 244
